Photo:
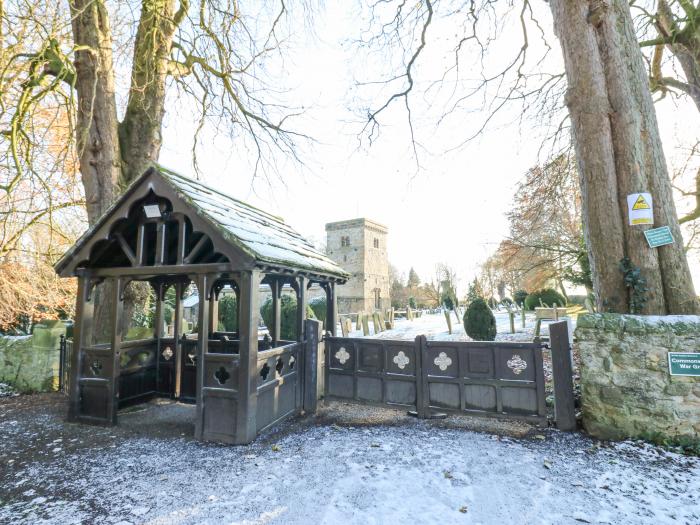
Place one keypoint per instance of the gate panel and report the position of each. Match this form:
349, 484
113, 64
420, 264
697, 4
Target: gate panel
219, 396
372, 371
485, 378
97, 384
476, 378
279, 385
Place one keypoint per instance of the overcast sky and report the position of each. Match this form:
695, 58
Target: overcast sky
451, 210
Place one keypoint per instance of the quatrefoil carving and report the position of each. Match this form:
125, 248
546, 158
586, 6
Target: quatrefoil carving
222, 375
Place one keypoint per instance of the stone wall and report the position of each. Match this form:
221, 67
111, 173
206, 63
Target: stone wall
30, 363
626, 387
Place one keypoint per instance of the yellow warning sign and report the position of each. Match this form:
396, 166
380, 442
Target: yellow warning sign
640, 208
641, 204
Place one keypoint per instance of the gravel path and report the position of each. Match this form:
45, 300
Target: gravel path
346, 465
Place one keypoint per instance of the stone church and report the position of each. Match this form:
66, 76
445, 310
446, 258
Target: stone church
359, 246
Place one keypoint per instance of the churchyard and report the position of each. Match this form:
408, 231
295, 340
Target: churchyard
370, 262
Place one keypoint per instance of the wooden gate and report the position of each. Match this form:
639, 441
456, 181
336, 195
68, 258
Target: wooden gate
500, 379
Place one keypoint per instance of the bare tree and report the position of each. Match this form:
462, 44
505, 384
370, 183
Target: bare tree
210, 51
610, 108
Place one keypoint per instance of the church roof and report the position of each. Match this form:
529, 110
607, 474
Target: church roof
252, 232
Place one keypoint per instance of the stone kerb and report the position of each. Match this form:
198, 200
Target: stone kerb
626, 387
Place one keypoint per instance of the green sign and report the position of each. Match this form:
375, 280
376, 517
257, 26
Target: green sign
683, 364
659, 236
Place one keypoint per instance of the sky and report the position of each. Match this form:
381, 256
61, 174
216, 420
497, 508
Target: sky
452, 210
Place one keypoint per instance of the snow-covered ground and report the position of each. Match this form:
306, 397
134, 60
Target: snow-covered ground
434, 326
7, 391
343, 466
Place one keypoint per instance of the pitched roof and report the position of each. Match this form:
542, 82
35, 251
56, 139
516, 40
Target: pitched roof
263, 236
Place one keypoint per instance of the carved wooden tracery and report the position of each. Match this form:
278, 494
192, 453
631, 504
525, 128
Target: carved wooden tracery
169, 239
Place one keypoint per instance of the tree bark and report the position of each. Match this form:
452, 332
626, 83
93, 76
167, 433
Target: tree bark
619, 152
140, 130
685, 47
96, 128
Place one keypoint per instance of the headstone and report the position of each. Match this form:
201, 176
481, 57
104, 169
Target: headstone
511, 317
376, 323
449, 321
365, 324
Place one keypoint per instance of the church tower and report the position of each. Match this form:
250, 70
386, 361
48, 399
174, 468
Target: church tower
359, 246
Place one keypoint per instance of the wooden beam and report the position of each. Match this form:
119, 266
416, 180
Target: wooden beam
249, 300
276, 328
117, 314
203, 285
213, 312
177, 329
160, 243
140, 244
331, 309
147, 272
158, 328
125, 248
196, 249
84, 309
301, 307
181, 238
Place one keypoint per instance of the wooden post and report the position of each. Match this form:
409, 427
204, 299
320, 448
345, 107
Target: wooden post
301, 307
204, 289
84, 311
331, 309
177, 335
522, 314
213, 313
358, 324
422, 402
246, 419
117, 314
160, 243
158, 328
511, 318
562, 375
276, 328
313, 337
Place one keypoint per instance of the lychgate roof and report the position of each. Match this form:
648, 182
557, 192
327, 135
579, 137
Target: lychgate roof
259, 235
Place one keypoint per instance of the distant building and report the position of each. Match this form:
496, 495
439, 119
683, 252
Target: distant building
359, 246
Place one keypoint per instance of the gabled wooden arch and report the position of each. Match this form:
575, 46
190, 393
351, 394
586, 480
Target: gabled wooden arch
109, 244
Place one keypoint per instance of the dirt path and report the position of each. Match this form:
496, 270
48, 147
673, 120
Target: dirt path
346, 465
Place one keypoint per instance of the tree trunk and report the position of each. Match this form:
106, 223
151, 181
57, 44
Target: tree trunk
619, 152
96, 128
112, 154
685, 48
140, 131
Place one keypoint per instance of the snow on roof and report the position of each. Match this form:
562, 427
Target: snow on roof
261, 235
